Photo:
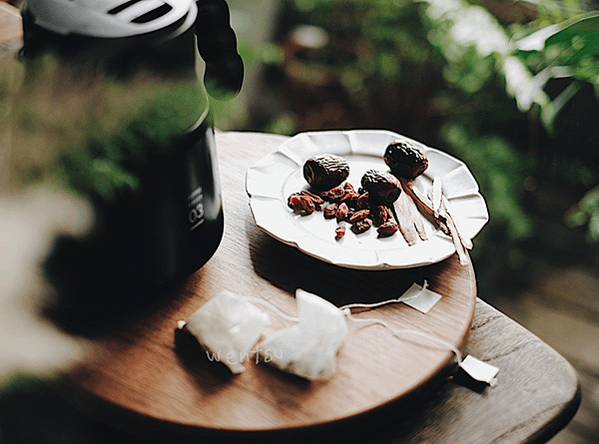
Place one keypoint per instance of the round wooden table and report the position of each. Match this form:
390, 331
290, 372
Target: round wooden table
147, 368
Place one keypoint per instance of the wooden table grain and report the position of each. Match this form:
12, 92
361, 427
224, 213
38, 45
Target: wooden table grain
537, 392
10, 29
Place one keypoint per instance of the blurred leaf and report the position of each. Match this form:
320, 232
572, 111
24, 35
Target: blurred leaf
594, 226
566, 50
551, 110
521, 85
586, 212
572, 43
582, 34
500, 170
389, 66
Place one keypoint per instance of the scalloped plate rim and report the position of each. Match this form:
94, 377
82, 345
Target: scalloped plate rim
337, 249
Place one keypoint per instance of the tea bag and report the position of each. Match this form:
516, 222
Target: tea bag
228, 326
308, 349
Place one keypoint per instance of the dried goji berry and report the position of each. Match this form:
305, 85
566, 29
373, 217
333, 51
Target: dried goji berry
387, 229
315, 198
330, 211
362, 201
347, 197
334, 194
350, 198
380, 214
361, 226
358, 216
309, 206
293, 200
342, 212
301, 204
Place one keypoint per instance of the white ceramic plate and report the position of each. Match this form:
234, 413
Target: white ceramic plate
274, 177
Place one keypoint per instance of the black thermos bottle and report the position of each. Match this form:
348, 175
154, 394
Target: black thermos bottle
172, 223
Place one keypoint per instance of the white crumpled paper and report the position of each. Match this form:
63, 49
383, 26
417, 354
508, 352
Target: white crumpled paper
227, 326
308, 349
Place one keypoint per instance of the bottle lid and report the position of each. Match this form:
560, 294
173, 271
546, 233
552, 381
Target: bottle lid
110, 18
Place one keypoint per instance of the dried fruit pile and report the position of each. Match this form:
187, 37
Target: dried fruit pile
347, 206
388, 201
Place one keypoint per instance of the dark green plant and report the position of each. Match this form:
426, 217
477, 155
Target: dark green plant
570, 51
565, 50
586, 213
97, 135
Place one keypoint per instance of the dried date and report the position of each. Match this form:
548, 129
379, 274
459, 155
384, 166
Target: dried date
325, 171
405, 159
382, 187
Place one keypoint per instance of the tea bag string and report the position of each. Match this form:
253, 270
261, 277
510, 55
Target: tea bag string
273, 308
346, 310
398, 333
379, 304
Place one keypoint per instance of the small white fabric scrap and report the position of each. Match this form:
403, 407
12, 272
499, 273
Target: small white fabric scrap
228, 326
420, 297
308, 349
479, 370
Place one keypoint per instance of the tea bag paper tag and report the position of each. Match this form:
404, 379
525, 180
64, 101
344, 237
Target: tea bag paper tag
479, 370
420, 298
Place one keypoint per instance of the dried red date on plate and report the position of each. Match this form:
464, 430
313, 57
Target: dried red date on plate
382, 187
325, 171
405, 159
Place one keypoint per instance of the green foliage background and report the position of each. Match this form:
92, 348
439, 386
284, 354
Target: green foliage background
95, 135
506, 90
